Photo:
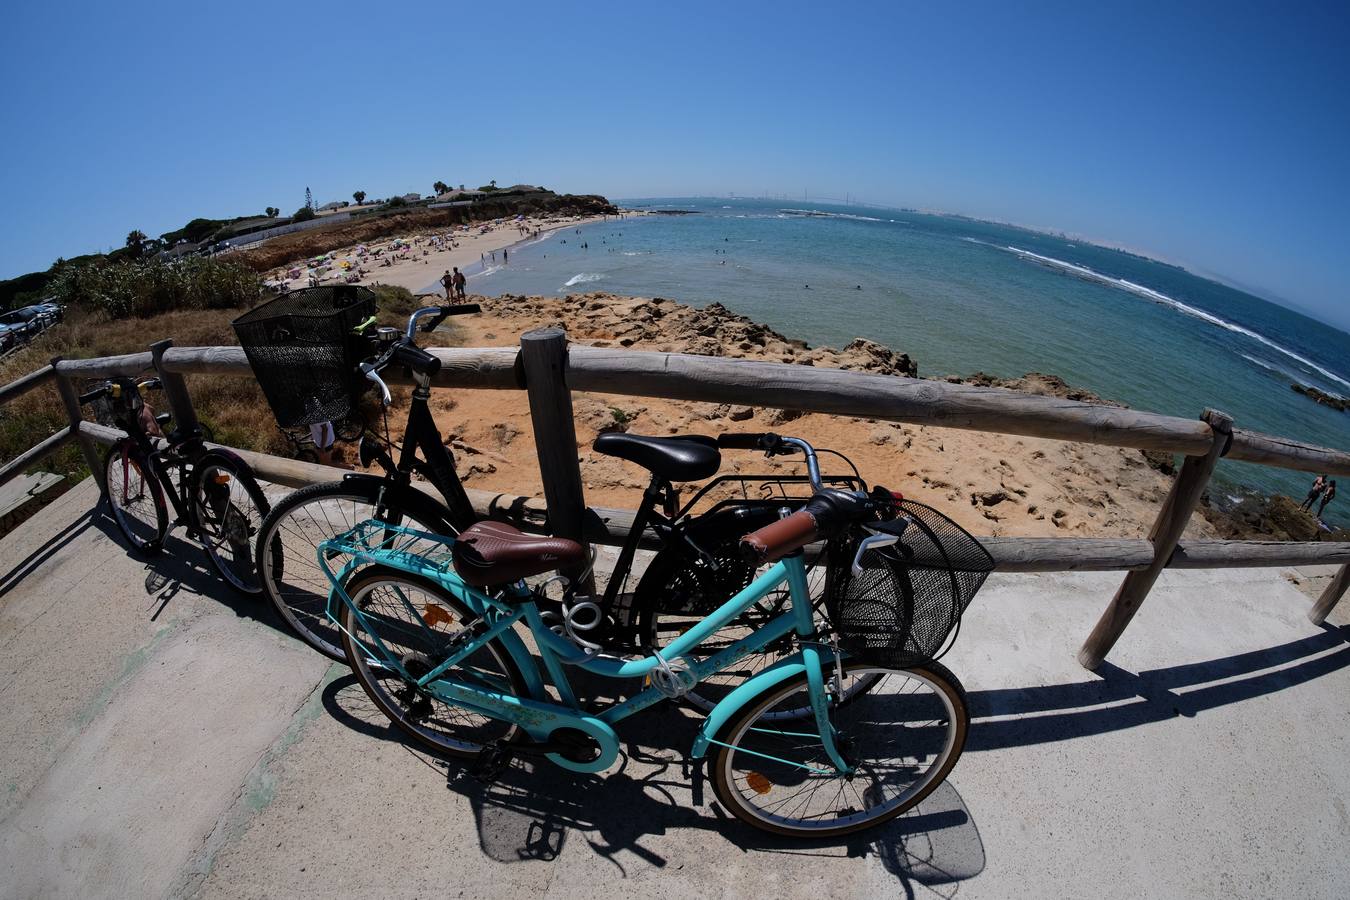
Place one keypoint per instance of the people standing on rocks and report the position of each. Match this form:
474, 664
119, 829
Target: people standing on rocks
1314, 492
459, 280
1328, 495
448, 282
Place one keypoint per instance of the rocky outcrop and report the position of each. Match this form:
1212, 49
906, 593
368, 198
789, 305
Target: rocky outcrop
1274, 518
1322, 397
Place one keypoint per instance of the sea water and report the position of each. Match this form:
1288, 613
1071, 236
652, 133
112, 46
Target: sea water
962, 296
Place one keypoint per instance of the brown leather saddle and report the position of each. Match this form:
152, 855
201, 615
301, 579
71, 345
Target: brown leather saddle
488, 554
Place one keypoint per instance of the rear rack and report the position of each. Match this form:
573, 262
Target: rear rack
373, 541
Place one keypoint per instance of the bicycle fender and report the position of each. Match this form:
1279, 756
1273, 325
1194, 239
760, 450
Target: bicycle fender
230, 456
732, 703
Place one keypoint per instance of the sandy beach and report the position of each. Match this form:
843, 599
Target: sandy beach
417, 261
992, 484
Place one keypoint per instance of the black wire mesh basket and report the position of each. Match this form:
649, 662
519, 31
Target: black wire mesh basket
304, 353
904, 607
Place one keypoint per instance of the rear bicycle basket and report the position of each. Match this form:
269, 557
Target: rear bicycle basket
902, 609
304, 353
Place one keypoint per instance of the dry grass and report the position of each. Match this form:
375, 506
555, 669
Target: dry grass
233, 407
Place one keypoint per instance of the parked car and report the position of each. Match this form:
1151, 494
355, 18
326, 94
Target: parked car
22, 321
21, 325
52, 310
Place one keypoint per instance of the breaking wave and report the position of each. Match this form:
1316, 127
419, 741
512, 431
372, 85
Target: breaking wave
1157, 297
582, 278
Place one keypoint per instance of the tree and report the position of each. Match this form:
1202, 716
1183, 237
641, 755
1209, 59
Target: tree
309, 200
272, 212
303, 214
440, 187
359, 197
490, 186
136, 243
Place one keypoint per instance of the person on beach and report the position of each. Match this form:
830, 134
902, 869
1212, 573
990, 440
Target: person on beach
506, 257
1327, 496
459, 280
1316, 491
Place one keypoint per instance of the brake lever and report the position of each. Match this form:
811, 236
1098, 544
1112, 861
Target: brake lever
369, 370
879, 537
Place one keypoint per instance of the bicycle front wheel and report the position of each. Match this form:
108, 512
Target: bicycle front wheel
406, 624
229, 507
901, 737
136, 498
288, 553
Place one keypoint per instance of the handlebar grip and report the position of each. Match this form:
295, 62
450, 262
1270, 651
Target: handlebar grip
764, 441
418, 359
777, 539
92, 395
462, 309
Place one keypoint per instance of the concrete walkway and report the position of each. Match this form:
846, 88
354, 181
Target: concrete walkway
159, 736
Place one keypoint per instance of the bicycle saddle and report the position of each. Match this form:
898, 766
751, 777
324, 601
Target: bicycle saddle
487, 554
675, 458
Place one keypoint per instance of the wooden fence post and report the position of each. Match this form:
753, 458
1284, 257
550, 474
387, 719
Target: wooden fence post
175, 391
1331, 596
87, 447
1171, 522
543, 355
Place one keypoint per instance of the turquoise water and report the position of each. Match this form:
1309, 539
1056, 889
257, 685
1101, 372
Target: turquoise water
962, 296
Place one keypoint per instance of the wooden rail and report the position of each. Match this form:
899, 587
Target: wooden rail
549, 370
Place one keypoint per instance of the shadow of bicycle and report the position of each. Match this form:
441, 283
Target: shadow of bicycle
654, 800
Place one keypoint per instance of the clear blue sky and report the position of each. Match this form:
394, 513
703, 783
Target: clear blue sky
1215, 136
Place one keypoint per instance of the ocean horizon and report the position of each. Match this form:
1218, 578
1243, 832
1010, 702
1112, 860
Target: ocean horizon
963, 296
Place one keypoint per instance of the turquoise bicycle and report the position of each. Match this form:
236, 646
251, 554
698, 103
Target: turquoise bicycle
834, 738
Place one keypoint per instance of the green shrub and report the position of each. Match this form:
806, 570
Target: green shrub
146, 289
303, 214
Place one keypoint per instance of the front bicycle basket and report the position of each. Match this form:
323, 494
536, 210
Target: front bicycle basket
908, 600
304, 354
120, 413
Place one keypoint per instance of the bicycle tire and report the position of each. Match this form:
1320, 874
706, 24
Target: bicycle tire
292, 581
234, 526
410, 711
767, 772
119, 463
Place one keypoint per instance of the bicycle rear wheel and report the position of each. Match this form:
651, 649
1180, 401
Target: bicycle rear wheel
902, 737
229, 507
136, 498
407, 622
288, 553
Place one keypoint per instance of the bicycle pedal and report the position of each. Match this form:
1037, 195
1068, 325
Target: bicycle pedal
492, 760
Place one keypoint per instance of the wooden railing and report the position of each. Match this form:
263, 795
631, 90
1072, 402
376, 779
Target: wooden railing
549, 371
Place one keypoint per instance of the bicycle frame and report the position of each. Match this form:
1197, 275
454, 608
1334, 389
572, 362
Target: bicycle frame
537, 714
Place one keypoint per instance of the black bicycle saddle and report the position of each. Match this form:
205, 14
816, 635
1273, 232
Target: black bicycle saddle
675, 458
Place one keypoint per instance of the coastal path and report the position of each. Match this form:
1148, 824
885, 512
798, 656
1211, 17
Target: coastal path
160, 736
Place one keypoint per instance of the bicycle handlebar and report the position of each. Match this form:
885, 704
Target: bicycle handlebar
776, 445
404, 349
93, 395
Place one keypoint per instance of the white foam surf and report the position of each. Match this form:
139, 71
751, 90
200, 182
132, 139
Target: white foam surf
1161, 298
582, 278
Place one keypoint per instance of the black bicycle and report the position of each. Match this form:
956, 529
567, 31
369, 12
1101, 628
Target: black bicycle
212, 491
697, 565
